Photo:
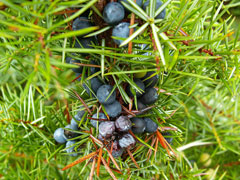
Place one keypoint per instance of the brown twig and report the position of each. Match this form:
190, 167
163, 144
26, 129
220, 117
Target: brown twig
82, 101
131, 156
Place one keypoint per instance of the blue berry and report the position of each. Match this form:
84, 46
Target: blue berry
93, 70
100, 116
150, 96
139, 2
114, 109
106, 129
70, 148
122, 31
81, 23
113, 13
140, 105
59, 136
151, 126
85, 43
104, 94
68, 133
166, 136
123, 123
70, 60
138, 126
127, 141
150, 82
140, 84
158, 4
77, 118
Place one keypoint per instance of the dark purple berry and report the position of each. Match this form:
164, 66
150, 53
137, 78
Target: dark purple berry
123, 123
138, 125
107, 128
151, 126
131, 91
113, 13
114, 109
150, 96
117, 151
100, 116
104, 94
127, 141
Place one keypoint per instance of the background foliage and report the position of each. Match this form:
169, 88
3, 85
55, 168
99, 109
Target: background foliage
201, 90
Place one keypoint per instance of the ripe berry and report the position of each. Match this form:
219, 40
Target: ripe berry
166, 136
123, 123
140, 84
59, 136
81, 23
104, 94
100, 116
151, 126
95, 84
139, 2
117, 150
107, 128
150, 96
114, 109
158, 4
126, 141
138, 125
150, 82
70, 60
77, 118
122, 31
113, 13
85, 43
93, 70
68, 133
140, 105
70, 148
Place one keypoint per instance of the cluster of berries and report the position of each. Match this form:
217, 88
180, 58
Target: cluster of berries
113, 126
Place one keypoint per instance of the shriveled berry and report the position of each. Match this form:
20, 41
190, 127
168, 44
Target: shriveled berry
113, 13
140, 84
151, 126
122, 31
117, 151
70, 148
59, 136
107, 128
150, 82
158, 4
100, 116
104, 94
150, 96
113, 110
123, 123
138, 126
127, 141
